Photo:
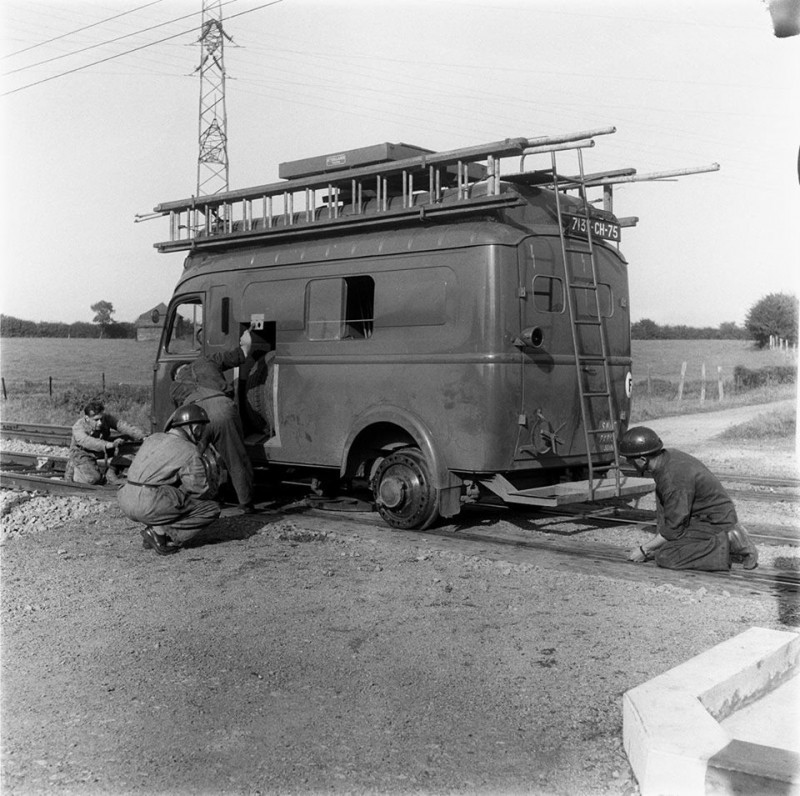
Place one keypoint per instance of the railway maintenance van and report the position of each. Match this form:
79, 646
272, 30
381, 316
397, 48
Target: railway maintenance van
428, 325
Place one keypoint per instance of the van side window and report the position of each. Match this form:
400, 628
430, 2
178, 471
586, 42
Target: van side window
548, 293
340, 309
186, 328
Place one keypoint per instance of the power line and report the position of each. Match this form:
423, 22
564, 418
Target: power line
80, 30
128, 52
108, 41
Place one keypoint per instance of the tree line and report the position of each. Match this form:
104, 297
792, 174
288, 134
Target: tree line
102, 325
650, 330
773, 316
17, 327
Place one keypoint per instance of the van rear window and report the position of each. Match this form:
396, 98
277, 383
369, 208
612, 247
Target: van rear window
548, 293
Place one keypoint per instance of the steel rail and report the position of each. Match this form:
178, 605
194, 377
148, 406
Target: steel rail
57, 486
37, 433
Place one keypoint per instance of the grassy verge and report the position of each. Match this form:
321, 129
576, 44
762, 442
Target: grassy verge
648, 407
767, 426
33, 404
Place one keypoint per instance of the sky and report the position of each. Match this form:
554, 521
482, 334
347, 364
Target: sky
87, 146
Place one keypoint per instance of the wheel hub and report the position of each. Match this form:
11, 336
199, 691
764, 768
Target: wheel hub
392, 492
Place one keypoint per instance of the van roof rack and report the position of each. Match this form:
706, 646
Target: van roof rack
377, 185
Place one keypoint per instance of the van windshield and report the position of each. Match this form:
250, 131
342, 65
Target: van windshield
186, 328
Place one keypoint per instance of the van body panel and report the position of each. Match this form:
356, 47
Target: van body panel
410, 336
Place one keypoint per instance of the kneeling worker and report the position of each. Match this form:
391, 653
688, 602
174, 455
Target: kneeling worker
697, 524
91, 439
166, 481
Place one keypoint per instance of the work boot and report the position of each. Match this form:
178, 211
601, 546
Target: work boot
158, 542
742, 547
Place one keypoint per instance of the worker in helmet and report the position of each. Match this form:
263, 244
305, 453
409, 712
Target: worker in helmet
697, 523
167, 482
202, 382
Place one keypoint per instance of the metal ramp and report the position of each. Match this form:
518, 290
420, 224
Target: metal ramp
568, 492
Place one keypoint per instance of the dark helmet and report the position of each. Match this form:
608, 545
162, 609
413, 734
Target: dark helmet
186, 415
639, 441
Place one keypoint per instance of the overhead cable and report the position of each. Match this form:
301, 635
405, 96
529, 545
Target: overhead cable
109, 41
128, 52
80, 30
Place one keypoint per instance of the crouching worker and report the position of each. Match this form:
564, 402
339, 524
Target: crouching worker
166, 482
91, 441
697, 526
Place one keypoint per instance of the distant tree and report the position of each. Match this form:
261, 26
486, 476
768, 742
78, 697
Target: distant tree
775, 314
103, 311
645, 330
83, 329
730, 331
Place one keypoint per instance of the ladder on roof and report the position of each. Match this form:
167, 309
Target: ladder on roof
589, 333
437, 183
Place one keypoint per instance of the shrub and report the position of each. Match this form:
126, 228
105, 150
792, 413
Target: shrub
746, 379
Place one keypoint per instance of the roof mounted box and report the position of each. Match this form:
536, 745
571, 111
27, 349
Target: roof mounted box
349, 159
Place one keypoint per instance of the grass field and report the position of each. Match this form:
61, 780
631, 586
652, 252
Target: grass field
80, 367
69, 361
662, 359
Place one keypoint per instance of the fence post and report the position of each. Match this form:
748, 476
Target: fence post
703, 383
104, 382
50, 385
683, 378
649, 382
719, 382
5, 394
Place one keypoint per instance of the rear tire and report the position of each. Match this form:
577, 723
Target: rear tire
404, 491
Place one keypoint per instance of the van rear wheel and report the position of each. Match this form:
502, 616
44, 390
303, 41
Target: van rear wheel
404, 491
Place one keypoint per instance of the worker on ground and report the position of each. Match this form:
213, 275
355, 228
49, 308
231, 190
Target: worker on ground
697, 525
166, 484
91, 441
203, 383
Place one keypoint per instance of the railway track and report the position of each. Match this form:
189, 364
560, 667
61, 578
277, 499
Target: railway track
37, 433
533, 531
519, 536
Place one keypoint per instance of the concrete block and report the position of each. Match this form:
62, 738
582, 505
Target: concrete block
671, 726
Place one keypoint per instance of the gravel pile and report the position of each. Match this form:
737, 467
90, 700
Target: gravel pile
35, 512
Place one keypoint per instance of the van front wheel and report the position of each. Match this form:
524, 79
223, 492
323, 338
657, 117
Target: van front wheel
404, 491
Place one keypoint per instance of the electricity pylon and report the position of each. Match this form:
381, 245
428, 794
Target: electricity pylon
212, 162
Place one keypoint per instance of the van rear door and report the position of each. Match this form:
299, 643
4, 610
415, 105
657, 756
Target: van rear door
550, 413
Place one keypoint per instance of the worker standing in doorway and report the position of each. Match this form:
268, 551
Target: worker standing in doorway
203, 383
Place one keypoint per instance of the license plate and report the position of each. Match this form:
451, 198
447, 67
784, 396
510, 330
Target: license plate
606, 230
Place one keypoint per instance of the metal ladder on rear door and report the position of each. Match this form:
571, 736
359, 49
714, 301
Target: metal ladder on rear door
583, 359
